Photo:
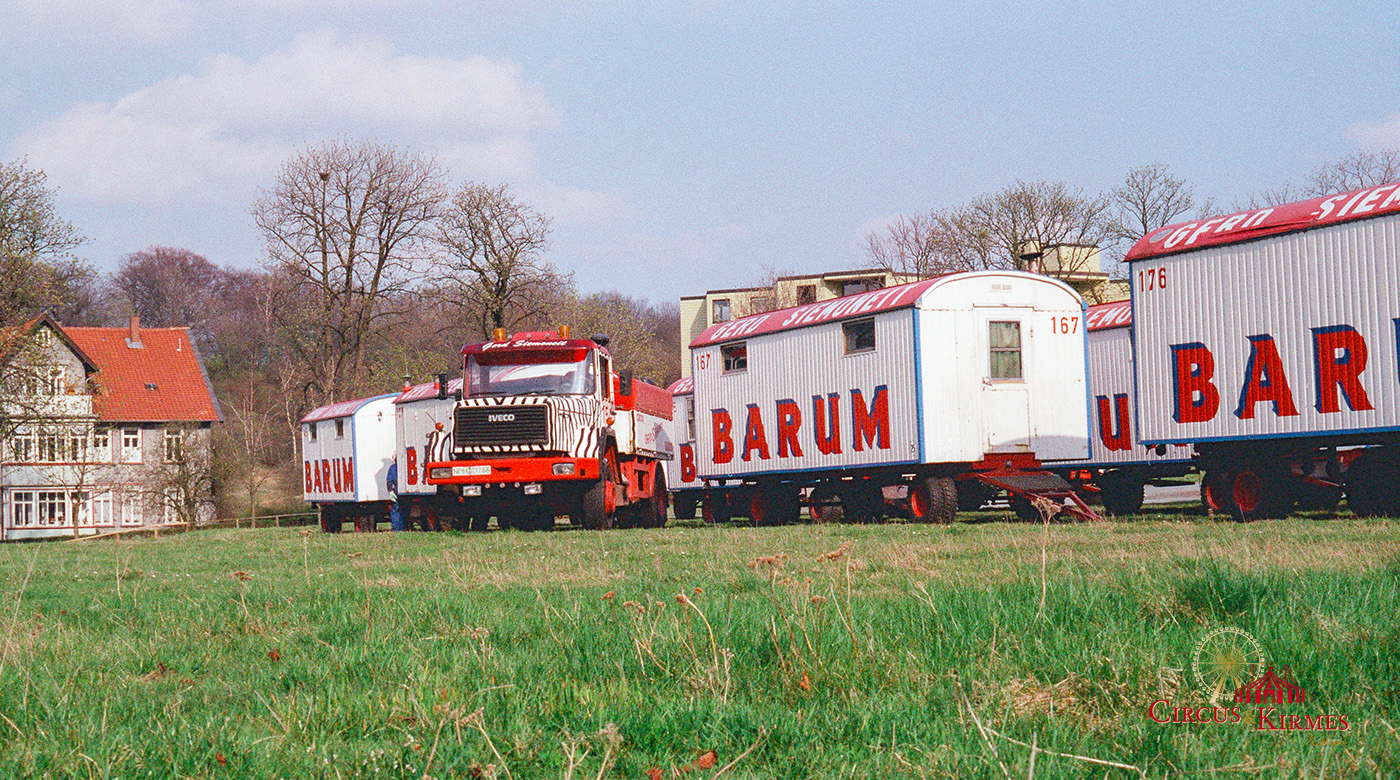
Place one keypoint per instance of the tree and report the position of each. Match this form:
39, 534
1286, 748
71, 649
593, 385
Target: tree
1356, 171
1149, 198
346, 227
170, 287
38, 272
494, 247
1002, 230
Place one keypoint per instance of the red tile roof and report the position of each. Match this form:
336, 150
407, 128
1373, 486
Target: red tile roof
163, 381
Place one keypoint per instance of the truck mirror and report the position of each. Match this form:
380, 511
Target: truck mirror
624, 382
442, 386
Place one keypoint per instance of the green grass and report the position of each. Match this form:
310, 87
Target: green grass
825, 651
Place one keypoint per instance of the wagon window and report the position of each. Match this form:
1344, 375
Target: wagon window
311, 429
339, 428
736, 356
860, 335
1005, 340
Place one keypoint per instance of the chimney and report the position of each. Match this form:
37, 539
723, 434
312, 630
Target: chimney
133, 335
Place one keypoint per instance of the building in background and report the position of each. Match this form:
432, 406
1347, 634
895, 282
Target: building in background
102, 429
699, 312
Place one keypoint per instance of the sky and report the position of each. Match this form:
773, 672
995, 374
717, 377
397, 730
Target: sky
686, 145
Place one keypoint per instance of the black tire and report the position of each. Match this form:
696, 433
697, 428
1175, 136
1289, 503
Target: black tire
933, 500
1371, 485
1025, 511
657, 504
1215, 493
1121, 492
862, 502
686, 505
1261, 490
716, 507
592, 512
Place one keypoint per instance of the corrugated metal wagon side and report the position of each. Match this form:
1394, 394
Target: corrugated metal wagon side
912, 394
1270, 341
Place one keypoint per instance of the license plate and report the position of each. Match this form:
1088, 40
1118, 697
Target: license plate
471, 471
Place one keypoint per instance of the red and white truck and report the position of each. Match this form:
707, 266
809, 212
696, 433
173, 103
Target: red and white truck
346, 451
1269, 340
547, 426
969, 380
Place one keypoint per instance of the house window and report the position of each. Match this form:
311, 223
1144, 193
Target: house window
735, 356
45, 338
102, 445
79, 503
859, 335
56, 384
22, 509
858, 286
1005, 340
62, 447
22, 447
340, 427
311, 431
806, 293
174, 444
53, 507
127, 506
131, 445
720, 311
102, 509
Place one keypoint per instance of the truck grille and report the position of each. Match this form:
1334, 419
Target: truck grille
488, 426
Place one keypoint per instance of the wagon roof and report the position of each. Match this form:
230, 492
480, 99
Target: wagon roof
341, 408
1118, 314
865, 304
427, 390
1268, 221
682, 386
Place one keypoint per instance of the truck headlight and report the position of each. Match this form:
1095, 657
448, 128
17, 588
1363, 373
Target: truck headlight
471, 490
563, 469
533, 488
444, 472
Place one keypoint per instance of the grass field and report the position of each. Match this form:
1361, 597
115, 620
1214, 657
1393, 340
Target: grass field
805, 651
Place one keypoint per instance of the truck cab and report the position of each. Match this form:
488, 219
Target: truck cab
547, 426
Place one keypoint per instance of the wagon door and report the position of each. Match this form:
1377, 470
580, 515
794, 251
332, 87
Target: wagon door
1006, 417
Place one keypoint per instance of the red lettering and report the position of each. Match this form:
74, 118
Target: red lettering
1152, 709
307, 468
347, 466
720, 426
754, 436
1264, 380
1197, 400
789, 421
868, 426
1340, 370
687, 463
826, 424
1123, 438
411, 465
336, 472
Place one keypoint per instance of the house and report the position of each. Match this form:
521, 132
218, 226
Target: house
102, 429
699, 312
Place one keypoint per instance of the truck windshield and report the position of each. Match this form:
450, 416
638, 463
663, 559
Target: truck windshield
548, 373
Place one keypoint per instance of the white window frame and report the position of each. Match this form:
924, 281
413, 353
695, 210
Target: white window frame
102, 445
129, 453
127, 506
53, 508
23, 509
101, 509
22, 447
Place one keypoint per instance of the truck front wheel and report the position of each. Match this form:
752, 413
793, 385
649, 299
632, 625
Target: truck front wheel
592, 510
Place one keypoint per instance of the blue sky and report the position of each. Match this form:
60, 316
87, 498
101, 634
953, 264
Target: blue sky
680, 146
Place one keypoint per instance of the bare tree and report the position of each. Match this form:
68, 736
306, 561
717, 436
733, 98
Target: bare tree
38, 272
1001, 230
183, 483
494, 248
1151, 197
170, 287
1356, 171
346, 226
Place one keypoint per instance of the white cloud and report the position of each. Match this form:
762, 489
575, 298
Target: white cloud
236, 119
1384, 134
